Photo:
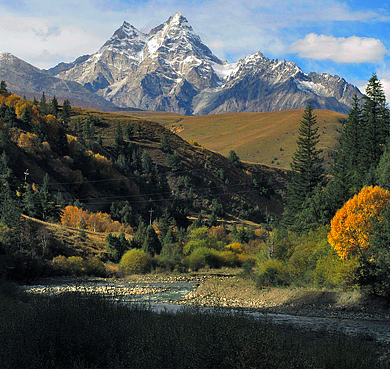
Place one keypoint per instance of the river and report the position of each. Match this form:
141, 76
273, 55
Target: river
166, 296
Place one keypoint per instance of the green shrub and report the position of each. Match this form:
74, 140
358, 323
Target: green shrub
94, 266
134, 261
331, 271
271, 273
203, 257
200, 237
76, 265
60, 264
229, 258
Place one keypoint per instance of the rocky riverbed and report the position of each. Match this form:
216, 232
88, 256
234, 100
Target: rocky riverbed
347, 311
227, 291
241, 294
117, 290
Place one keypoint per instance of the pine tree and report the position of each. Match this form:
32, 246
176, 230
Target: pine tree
5, 170
129, 131
26, 117
99, 140
65, 115
119, 143
10, 117
152, 244
3, 89
347, 170
42, 105
53, 106
29, 202
47, 203
147, 163
306, 166
376, 121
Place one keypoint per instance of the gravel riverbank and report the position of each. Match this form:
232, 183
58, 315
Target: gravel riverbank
242, 294
229, 291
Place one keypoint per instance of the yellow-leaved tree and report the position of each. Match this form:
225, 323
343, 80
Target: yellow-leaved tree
351, 225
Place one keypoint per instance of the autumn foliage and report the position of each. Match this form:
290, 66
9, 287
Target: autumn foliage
72, 216
350, 227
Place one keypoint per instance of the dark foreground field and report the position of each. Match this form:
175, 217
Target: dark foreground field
88, 331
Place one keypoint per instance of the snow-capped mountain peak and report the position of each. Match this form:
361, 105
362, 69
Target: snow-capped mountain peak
170, 68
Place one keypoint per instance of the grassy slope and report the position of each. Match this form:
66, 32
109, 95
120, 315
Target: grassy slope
69, 241
255, 137
194, 159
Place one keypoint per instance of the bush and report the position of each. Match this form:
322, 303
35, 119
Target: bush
331, 271
76, 265
271, 273
96, 267
134, 261
203, 257
60, 264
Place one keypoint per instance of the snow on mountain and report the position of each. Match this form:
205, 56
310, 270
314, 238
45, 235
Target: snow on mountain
170, 68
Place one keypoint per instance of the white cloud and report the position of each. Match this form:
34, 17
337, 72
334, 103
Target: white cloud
343, 50
43, 41
386, 88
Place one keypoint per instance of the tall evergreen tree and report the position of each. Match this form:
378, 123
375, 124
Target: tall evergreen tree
129, 131
119, 138
30, 202
306, 166
47, 204
43, 105
347, 170
53, 107
3, 89
151, 244
66, 112
376, 122
26, 117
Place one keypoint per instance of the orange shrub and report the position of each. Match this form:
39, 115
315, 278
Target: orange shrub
74, 217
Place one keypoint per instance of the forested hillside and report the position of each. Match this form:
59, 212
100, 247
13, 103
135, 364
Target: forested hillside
334, 230
113, 173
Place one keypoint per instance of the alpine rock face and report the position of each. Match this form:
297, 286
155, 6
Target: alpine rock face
25, 79
171, 69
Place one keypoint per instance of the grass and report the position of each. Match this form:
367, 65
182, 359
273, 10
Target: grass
88, 331
69, 241
255, 137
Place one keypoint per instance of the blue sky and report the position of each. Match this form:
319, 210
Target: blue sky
347, 38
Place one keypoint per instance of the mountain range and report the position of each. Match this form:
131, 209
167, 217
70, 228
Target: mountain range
171, 69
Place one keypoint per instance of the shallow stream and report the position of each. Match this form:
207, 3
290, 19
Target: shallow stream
162, 297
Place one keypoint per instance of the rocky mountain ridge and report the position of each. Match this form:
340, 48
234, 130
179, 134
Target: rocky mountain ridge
171, 69
24, 79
